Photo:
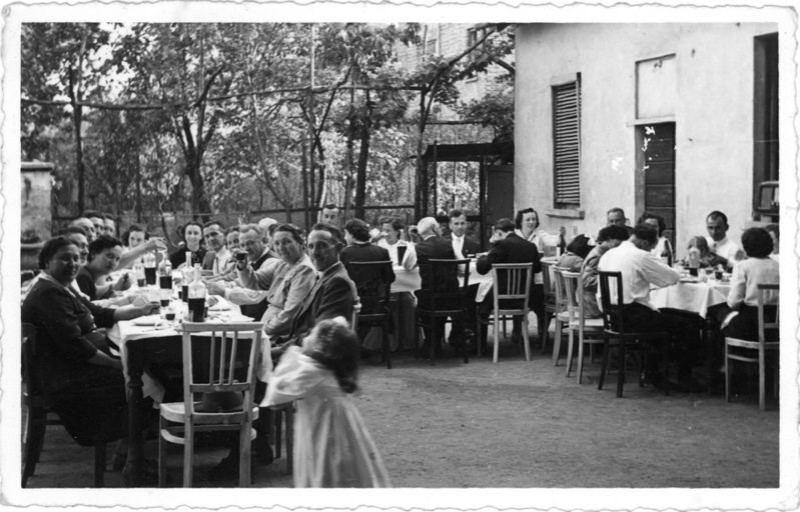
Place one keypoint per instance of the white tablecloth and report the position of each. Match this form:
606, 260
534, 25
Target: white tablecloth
128, 330
409, 281
694, 297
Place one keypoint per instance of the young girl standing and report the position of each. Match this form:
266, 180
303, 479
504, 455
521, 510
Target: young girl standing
332, 447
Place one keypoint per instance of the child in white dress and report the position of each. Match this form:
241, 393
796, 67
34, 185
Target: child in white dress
332, 447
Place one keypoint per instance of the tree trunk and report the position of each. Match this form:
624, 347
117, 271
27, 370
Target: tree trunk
361, 169
77, 118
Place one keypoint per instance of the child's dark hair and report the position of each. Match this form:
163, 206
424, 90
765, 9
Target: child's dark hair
338, 349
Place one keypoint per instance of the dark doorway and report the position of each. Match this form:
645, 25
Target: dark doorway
655, 158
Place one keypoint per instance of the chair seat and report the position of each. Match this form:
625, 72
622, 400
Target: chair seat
174, 434
176, 413
589, 324
751, 344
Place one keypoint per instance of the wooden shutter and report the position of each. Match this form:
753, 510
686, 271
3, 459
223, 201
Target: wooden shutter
567, 143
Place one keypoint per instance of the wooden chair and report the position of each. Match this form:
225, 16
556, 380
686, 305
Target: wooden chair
511, 297
36, 420
444, 299
231, 369
760, 346
578, 321
284, 412
375, 294
550, 308
562, 315
614, 328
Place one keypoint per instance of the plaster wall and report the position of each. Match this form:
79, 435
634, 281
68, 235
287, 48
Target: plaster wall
713, 118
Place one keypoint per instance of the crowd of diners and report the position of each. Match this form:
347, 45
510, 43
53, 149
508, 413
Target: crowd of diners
293, 280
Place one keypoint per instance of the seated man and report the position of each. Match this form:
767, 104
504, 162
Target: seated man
333, 294
640, 270
718, 241
616, 217
218, 259
508, 247
359, 248
608, 238
431, 246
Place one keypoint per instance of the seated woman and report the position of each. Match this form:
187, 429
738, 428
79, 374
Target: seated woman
84, 382
577, 250
138, 242
708, 259
757, 269
192, 234
102, 260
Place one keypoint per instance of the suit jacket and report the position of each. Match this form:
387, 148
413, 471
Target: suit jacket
470, 246
367, 282
434, 247
512, 249
332, 295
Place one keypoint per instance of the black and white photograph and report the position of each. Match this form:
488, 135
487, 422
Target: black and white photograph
439, 256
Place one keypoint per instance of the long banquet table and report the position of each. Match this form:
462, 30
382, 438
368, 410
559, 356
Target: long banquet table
157, 342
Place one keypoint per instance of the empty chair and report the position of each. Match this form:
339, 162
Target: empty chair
562, 312
511, 296
230, 361
755, 351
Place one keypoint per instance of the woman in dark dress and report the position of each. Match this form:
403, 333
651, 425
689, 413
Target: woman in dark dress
192, 242
103, 259
84, 383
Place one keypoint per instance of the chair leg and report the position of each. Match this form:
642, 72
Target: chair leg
727, 370
434, 341
188, 456
557, 342
571, 341
385, 343
544, 329
525, 337
761, 379
621, 369
278, 416
477, 334
244, 454
289, 426
162, 453
579, 370
496, 334
604, 366
35, 425
99, 463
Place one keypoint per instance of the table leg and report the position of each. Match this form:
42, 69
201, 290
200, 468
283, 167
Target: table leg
133, 468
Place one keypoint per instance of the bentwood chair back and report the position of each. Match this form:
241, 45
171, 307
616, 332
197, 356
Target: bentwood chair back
614, 329
511, 297
374, 293
550, 308
755, 351
578, 320
218, 359
443, 295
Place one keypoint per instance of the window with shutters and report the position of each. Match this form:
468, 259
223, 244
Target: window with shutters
567, 144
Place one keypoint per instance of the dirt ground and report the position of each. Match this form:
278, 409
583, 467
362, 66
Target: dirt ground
518, 424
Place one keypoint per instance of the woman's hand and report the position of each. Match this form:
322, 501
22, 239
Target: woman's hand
156, 243
123, 283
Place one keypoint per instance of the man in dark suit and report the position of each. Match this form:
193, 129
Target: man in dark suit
508, 247
432, 246
332, 295
463, 246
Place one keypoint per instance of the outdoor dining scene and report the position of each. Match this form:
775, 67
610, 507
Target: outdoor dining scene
414, 255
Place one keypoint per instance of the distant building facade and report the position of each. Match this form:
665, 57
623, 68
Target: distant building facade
680, 119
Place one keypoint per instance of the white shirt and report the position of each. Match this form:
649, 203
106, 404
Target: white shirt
747, 275
458, 246
392, 248
724, 248
639, 269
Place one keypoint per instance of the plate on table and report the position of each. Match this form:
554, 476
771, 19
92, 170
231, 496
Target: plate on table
148, 320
